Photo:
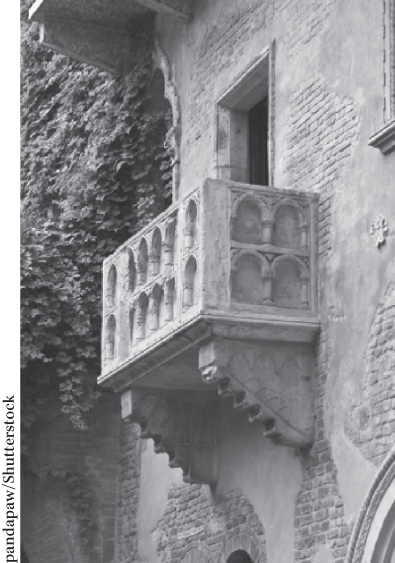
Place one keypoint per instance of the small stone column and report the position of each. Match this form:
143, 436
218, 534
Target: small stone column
267, 231
268, 278
304, 236
304, 301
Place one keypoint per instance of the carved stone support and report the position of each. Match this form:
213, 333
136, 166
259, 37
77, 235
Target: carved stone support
181, 426
272, 381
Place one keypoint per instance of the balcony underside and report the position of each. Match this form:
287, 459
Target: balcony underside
100, 32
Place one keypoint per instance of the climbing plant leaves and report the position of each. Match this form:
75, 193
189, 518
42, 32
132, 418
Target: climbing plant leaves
93, 172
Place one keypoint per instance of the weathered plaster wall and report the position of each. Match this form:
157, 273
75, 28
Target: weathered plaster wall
328, 104
257, 488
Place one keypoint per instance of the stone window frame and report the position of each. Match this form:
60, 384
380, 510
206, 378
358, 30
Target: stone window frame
232, 106
384, 139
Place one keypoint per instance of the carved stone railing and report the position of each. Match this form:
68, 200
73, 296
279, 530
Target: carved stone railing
217, 292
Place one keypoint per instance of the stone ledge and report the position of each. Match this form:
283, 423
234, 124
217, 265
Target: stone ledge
384, 140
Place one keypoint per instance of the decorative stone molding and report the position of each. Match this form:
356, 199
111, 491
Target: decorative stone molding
272, 382
181, 426
384, 139
173, 137
379, 230
375, 525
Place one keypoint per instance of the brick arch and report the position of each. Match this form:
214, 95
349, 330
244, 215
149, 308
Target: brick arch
246, 541
197, 552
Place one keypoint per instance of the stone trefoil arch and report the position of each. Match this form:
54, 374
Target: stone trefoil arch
173, 137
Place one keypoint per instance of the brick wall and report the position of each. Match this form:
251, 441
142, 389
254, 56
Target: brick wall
69, 491
303, 20
194, 520
128, 493
319, 509
223, 41
371, 426
322, 129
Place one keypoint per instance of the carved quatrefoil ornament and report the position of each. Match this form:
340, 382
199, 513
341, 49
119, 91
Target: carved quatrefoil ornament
379, 230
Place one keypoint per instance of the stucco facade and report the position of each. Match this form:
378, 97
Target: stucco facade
324, 68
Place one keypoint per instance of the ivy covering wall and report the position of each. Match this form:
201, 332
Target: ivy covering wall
94, 171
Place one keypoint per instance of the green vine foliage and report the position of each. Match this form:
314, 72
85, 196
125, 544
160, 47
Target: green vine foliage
94, 171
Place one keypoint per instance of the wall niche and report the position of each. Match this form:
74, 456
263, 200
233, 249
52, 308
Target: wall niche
247, 283
247, 224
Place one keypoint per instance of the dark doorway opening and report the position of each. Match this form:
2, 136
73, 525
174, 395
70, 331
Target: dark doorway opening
239, 556
258, 133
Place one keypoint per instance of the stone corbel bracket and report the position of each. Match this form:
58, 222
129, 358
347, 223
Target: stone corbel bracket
182, 426
270, 380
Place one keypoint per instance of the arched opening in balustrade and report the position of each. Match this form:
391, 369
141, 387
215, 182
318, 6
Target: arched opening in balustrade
156, 252
156, 307
287, 227
170, 295
239, 556
247, 282
111, 286
142, 262
142, 310
132, 272
190, 224
111, 327
131, 325
169, 242
290, 282
190, 282
247, 224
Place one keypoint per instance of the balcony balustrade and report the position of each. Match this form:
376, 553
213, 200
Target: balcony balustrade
218, 291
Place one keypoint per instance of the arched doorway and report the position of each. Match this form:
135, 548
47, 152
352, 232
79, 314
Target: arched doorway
240, 556
373, 538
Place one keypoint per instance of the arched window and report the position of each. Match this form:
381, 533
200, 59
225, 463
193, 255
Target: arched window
239, 556
156, 252
190, 225
111, 286
190, 282
110, 338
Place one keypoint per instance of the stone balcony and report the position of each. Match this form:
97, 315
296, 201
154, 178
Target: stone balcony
217, 294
